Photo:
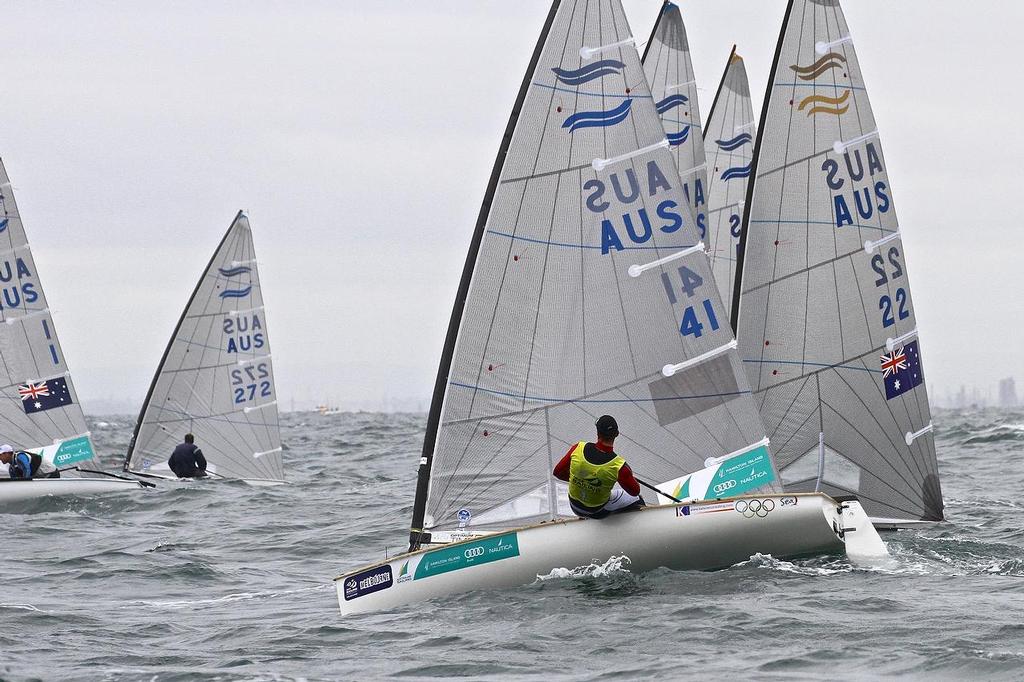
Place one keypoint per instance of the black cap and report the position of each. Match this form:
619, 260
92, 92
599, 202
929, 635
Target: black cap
607, 427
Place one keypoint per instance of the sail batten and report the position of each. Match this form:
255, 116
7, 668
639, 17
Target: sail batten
821, 288
550, 329
216, 378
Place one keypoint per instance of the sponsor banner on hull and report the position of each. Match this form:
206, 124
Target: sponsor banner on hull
368, 582
69, 451
736, 476
483, 551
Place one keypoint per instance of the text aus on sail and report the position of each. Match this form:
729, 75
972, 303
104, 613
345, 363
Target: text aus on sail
860, 193
637, 226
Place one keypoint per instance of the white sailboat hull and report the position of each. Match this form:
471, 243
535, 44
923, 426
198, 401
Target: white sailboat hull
697, 536
19, 490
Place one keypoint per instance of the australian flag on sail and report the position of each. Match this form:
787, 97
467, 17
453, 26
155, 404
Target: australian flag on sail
45, 395
901, 370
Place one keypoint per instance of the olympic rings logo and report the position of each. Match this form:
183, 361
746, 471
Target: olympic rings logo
722, 487
752, 508
473, 552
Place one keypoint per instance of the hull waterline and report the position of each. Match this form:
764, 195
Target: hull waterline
697, 536
19, 491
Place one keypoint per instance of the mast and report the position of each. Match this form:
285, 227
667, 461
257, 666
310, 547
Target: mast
742, 249
416, 534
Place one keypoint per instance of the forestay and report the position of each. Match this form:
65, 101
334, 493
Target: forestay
40, 411
826, 321
669, 73
216, 378
729, 146
586, 291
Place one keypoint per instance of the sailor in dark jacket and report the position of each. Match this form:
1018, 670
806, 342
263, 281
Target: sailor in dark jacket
187, 460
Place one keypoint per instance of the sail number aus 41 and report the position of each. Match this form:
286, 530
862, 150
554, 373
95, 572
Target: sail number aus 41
689, 282
889, 269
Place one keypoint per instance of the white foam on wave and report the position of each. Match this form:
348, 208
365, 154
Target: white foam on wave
21, 607
837, 567
615, 564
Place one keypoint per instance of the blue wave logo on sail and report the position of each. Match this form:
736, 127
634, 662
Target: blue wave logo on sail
3, 224
234, 272
734, 143
236, 293
737, 172
670, 102
590, 72
598, 119
676, 139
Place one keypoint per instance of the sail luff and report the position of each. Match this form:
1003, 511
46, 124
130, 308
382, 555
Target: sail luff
416, 534
741, 250
170, 343
718, 92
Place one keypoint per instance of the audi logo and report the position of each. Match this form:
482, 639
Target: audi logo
721, 487
473, 552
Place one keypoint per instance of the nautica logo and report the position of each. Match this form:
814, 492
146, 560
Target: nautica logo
593, 119
590, 72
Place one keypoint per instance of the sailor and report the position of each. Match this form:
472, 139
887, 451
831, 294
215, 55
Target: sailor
187, 460
26, 465
600, 481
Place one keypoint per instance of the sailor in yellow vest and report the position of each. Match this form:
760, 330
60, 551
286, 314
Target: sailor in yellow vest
600, 481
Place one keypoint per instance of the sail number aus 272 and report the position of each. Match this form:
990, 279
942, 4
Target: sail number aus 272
689, 282
251, 382
889, 310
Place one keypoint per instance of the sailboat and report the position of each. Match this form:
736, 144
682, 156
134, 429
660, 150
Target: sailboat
729, 147
826, 323
669, 73
586, 290
40, 410
216, 378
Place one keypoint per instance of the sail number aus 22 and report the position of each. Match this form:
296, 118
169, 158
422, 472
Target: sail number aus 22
890, 311
689, 282
251, 382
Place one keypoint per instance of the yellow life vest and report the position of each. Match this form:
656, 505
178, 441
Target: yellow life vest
591, 484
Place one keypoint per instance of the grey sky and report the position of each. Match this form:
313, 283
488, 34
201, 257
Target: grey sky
360, 135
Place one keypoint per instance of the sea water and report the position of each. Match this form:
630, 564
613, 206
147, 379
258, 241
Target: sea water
221, 581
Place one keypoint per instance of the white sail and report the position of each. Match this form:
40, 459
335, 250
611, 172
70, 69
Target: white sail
586, 291
39, 409
825, 320
729, 146
216, 378
669, 72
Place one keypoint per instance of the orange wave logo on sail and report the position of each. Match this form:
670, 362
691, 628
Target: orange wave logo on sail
820, 104
833, 60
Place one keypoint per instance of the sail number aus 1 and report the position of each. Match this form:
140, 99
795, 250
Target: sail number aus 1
251, 382
689, 282
890, 312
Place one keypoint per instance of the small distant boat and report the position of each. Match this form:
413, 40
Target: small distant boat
326, 410
822, 305
216, 377
40, 411
587, 290
729, 148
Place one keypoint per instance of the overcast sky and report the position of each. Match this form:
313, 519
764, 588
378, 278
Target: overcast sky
360, 136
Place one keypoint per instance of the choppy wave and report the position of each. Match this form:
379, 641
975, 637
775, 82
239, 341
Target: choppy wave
229, 582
